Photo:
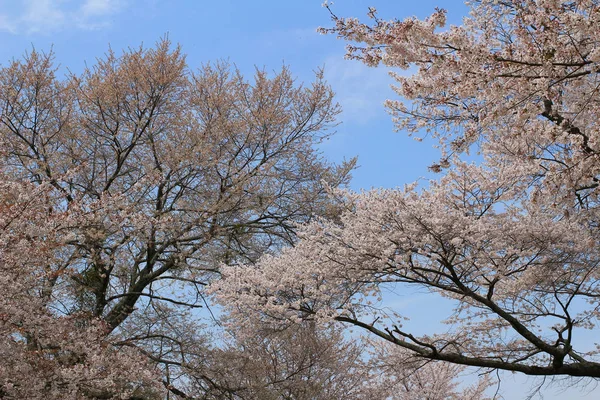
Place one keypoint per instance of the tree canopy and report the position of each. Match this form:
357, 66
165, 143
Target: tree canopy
512, 238
126, 186
136, 193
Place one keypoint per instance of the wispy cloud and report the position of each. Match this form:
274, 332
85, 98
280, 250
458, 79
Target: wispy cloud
93, 8
48, 16
41, 16
360, 90
7, 24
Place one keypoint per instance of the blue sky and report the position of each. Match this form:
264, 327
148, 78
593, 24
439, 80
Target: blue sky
263, 33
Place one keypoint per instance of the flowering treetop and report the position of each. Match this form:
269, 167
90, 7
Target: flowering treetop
513, 239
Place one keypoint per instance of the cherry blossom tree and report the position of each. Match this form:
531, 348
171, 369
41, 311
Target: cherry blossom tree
305, 361
297, 362
143, 177
512, 239
45, 354
404, 377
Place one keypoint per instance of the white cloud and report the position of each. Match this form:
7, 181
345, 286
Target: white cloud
98, 7
48, 16
92, 13
7, 24
360, 90
41, 16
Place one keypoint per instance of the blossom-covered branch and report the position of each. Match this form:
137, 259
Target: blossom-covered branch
511, 240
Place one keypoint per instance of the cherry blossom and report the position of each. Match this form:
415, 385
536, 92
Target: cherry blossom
510, 239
